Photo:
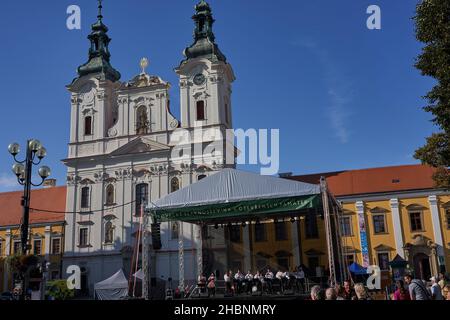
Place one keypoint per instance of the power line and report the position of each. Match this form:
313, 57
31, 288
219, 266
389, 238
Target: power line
91, 211
81, 212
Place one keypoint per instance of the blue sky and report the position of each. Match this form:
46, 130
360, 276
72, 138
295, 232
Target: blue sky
343, 96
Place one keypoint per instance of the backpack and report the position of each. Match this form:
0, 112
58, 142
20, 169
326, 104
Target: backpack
422, 287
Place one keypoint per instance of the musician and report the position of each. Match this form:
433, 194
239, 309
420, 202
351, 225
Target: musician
228, 282
279, 279
248, 280
269, 280
239, 280
300, 276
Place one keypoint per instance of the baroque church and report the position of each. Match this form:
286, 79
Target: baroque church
121, 152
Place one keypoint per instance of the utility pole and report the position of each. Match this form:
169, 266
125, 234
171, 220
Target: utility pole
145, 255
329, 234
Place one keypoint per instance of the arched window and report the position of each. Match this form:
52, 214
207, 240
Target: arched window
174, 184
88, 126
175, 230
85, 201
200, 110
141, 196
200, 177
142, 123
109, 232
227, 114
110, 195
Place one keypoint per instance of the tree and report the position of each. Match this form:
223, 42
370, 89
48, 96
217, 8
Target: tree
432, 23
58, 290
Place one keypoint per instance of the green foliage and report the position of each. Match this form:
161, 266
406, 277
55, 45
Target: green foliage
21, 263
59, 291
433, 29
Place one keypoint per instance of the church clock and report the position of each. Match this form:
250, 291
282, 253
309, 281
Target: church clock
199, 79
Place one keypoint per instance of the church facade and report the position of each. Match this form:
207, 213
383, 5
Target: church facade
124, 152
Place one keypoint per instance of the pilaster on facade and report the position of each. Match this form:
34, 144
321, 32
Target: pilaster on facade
47, 239
246, 244
295, 243
396, 221
437, 231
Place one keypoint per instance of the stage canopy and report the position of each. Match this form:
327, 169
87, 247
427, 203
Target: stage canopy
232, 193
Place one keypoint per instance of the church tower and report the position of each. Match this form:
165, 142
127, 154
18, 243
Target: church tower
93, 100
205, 77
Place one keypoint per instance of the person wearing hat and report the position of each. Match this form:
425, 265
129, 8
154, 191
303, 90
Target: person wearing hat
436, 292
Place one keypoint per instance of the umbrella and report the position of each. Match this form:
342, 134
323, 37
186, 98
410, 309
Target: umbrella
357, 269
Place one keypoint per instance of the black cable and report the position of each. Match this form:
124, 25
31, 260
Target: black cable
81, 212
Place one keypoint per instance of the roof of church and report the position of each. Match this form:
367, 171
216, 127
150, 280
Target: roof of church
374, 180
49, 199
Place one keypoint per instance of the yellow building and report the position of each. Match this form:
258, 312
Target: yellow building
46, 236
387, 212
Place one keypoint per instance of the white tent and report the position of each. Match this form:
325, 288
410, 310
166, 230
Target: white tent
231, 185
113, 288
231, 193
139, 275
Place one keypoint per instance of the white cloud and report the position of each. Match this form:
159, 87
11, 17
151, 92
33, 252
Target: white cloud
338, 115
339, 91
8, 182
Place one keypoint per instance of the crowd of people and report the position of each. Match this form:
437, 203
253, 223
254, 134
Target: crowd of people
257, 282
295, 282
406, 289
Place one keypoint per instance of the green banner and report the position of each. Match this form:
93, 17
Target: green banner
238, 209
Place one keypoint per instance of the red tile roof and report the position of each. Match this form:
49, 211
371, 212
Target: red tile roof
53, 199
374, 180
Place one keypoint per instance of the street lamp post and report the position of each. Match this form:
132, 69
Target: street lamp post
23, 170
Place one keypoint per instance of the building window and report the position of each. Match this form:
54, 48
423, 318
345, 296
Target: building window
379, 223
201, 177
350, 259
142, 122
174, 184
175, 230
313, 263
346, 226
109, 232
16, 247
56, 246
37, 247
383, 260
83, 237
200, 110
110, 195
236, 265
227, 115
261, 264
311, 230
447, 214
283, 263
141, 196
55, 275
235, 233
280, 231
88, 126
260, 232
85, 192
415, 219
